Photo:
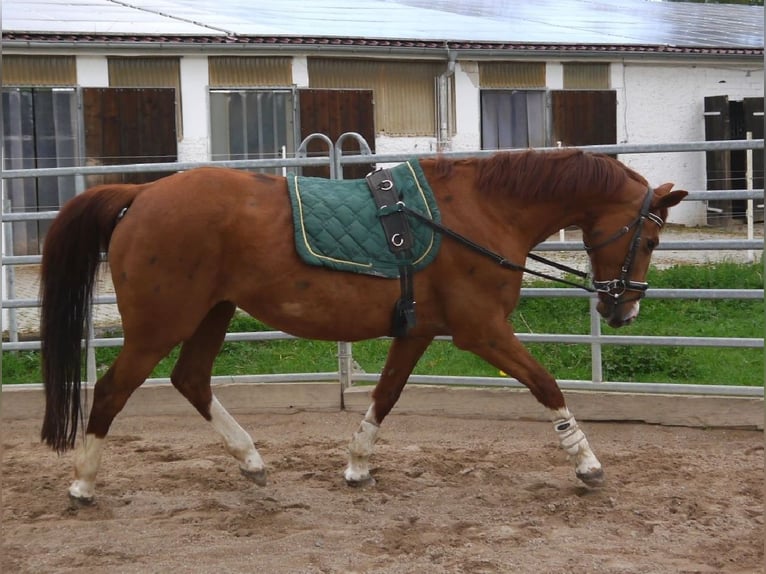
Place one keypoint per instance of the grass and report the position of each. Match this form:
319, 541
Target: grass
699, 365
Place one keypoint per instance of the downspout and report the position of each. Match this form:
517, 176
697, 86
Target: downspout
443, 142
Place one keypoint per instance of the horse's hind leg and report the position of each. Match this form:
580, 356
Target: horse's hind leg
110, 394
191, 376
402, 357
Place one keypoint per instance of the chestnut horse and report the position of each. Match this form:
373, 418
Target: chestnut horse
186, 250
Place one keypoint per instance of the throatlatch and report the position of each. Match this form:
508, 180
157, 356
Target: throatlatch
399, 239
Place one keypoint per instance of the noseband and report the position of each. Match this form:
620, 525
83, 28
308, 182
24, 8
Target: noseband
616, 287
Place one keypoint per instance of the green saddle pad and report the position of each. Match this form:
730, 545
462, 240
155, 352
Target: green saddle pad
337, 226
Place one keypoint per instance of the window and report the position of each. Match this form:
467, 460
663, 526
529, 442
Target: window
512, 119
512, 104
252, 124
40, 130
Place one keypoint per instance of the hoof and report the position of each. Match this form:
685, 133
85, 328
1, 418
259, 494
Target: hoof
362, 482
593, 478
257, 476
358, 478
82, 492
81, 501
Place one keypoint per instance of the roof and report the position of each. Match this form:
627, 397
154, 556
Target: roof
608, 25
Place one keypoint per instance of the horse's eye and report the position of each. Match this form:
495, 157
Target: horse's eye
651, 244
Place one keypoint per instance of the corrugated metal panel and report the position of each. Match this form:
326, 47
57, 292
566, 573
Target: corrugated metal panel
512, 74
144, 73
403, 91
39, 71
149, 73
582, 76
244, 71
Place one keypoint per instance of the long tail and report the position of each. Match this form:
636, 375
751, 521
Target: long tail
71, 256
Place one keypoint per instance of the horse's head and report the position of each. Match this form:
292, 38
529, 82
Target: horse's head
620, 245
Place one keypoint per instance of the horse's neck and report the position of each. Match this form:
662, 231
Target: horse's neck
537, 221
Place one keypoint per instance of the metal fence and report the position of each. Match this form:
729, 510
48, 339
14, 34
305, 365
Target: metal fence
345, 374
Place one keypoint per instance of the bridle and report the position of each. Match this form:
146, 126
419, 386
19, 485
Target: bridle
616, 287
613, 287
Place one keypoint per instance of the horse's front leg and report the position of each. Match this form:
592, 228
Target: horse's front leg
499, 346
402, 357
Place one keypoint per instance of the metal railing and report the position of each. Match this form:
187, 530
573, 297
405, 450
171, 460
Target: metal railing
345, 374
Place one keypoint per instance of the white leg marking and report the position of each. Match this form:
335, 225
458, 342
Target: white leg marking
360, 448
573, 441
87, 459
237, 442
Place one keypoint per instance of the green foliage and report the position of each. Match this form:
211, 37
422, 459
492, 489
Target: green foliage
682, 317
623, 363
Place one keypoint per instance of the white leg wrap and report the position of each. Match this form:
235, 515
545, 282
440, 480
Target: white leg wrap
236, 439
360, 449
87, 460
575, 444
570, 435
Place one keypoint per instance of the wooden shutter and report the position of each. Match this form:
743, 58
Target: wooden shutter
130, 125
584, 117
718, 163
334, 112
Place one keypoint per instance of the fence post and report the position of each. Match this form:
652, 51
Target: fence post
9, 275
596, 368
345, 368
364, 149
302, 150
90, 352
749, 186
345, 349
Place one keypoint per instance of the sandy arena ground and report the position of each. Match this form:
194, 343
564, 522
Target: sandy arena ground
452, 496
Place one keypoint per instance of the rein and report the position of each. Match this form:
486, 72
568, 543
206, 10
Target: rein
613, 287
499, 259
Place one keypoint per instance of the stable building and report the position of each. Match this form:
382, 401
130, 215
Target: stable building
155, 81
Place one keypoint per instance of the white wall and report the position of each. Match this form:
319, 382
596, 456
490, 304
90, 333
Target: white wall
467, 107
195, 109
92, 71
664, 104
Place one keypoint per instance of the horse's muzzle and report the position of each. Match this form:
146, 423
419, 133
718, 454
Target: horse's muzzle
618, 313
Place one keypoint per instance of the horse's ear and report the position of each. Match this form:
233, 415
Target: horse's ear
664, 198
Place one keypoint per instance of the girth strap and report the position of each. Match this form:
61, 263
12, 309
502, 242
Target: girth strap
400, 240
